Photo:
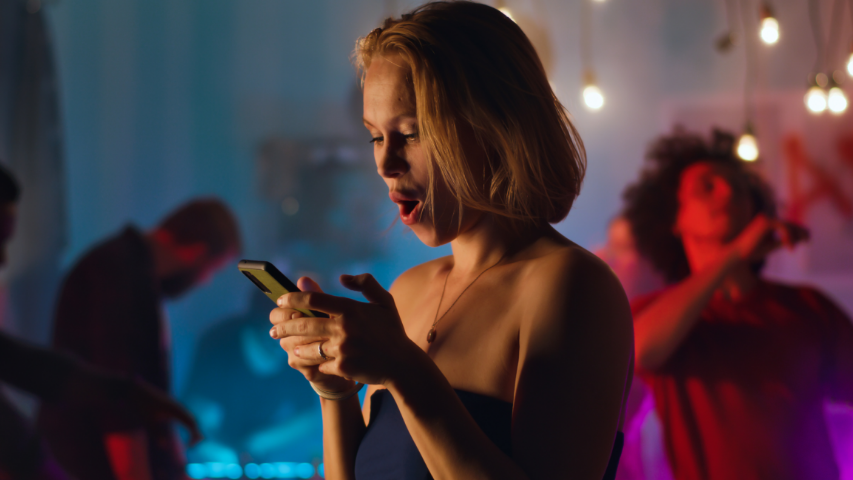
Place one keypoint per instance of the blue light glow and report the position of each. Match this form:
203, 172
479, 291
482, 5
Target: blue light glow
305, 470
233, 471
196, 470
215, 470
252, 470
200, 471
286, 469
268, 470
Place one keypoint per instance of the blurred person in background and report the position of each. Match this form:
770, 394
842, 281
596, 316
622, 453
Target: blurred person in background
512, 357
54, 376
739, 366
643, 456
251, 406
110, 314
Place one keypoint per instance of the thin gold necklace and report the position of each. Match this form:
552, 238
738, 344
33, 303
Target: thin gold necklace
432, 333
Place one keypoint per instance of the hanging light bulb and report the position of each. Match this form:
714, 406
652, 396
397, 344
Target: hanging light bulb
770, 30
816, 99
506, 11
836, 100
747, 145
592, 96
769, 25
850, 65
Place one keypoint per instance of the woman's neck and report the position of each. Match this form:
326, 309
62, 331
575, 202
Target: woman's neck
487, 241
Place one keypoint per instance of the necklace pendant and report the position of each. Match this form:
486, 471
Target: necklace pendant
431, 335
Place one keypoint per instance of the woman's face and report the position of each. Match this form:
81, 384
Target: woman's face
714, 203
401, 159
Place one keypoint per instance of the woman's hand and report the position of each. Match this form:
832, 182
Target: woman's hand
361, 341
764, 235
309, 369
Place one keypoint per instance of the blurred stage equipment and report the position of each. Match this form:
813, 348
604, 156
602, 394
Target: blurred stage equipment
769, 25
592, 96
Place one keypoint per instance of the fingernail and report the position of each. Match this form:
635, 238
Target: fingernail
293, 315
272, 332
296, 351
280, 301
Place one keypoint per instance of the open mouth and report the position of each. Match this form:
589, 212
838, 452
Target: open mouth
408, 206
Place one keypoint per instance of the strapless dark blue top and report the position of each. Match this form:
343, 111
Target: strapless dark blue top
387, 451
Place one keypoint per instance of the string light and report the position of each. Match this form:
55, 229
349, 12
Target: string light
850, 65
593, 98
506, 11
836, 100
769, 25
747, 145
816, 100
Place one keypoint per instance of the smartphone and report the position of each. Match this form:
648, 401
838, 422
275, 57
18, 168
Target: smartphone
272, 282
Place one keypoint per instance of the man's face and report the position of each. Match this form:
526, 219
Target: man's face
714, 203
8, 217
178, 284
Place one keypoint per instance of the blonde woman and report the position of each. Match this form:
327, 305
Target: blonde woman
511, 357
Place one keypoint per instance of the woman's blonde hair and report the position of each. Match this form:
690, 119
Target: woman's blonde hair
473, 66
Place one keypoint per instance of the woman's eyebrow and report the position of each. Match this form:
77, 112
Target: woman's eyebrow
399, 119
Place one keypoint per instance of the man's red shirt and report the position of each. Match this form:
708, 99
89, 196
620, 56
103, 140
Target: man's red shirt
742, 397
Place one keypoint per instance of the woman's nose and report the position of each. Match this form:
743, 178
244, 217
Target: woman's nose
390, 164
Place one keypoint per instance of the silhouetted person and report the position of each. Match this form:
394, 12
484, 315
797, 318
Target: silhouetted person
110, 314
739, 366
55, 376
249, 403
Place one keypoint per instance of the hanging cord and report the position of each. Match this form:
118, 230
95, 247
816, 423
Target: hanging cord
586, 36
726, 41
814, 18
731, 18
850, 9
750, 56
835, 32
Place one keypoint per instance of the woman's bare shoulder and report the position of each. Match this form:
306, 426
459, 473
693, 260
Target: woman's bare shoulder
569, 276
568, 263
414, 278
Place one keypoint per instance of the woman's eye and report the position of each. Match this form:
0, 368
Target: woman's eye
411, 137
375, 140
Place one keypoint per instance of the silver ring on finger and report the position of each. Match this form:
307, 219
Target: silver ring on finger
320, 349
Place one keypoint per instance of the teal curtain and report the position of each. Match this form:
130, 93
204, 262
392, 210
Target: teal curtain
31, 144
